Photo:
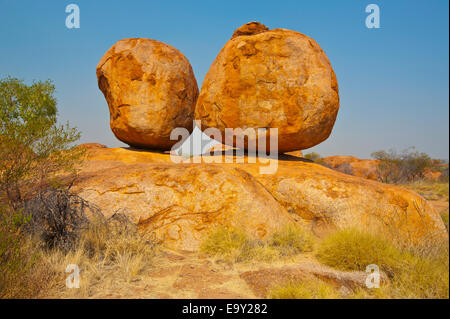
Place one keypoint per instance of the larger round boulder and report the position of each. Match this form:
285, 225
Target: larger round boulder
150, 89
270, 79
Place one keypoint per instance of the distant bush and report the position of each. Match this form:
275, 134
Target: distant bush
345, 168
413, 273
407, 166
313, 156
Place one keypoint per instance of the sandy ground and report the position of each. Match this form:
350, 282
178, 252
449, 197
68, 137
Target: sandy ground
193, 275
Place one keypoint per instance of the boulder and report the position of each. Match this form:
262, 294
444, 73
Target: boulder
328, 200
365, 168
270, 79
150, 89
91, 145
431, 174
181, 203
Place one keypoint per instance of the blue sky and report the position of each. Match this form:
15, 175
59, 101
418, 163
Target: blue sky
393, 80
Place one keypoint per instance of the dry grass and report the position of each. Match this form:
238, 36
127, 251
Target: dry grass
234, 246
25, 275
413, 273
108, 256
291, 241
430, 190
444, 216
313, 289
353, 250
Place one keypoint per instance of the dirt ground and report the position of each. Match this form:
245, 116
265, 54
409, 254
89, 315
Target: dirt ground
194, 275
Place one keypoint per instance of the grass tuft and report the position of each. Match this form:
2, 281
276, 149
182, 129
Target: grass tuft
354, 250
444, 216
413, 273
291, 241
233, 245
430, 190
312, 289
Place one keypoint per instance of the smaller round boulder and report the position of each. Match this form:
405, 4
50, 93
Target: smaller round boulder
150, 89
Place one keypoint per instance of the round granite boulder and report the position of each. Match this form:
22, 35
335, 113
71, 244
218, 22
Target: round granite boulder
150, 89
270, 79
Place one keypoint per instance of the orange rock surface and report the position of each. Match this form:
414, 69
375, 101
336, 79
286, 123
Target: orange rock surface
365, 168
432, 175
150, 89
181, 203
270, 79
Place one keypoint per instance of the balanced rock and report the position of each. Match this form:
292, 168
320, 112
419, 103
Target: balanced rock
150, 89
270, 79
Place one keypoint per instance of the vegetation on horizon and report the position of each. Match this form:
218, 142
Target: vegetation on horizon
407, 166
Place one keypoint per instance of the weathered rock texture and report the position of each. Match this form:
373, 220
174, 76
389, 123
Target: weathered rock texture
365, 168
182, 203
179, 203
150, 89
271, 79
261, 281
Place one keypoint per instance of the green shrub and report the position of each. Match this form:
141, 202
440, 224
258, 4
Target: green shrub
291, 241
413, 273
234, 245
354, 250
395, 168
21, 274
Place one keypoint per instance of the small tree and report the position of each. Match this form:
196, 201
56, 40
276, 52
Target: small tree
34, 149
407, 166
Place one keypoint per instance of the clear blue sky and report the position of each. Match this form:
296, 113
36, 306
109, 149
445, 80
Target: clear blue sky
393, 80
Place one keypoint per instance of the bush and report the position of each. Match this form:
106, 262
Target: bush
345, 168
22, 274
313, 156
414, 273
34, 149
233, 245
316, 158
355, 250
291, 241
394, 168
57, 218
313, 289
